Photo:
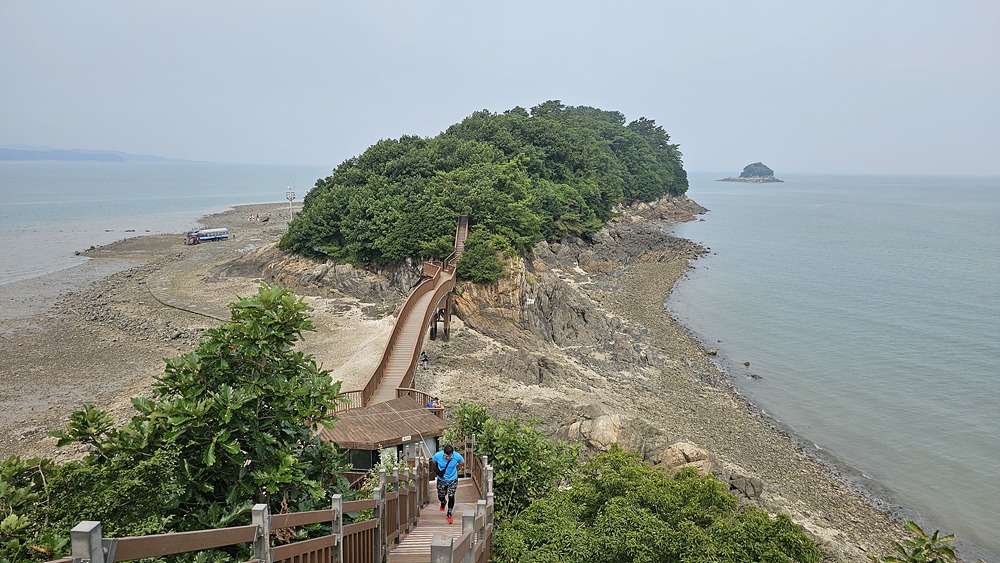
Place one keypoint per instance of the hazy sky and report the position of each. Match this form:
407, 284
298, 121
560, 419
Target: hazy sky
852, 86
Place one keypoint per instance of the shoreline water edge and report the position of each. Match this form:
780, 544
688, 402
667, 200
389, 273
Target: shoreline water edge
48, 321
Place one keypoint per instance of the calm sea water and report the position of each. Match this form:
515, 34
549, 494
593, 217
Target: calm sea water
870, 308
50, 210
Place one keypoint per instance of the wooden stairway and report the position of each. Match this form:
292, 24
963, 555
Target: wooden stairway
416, 546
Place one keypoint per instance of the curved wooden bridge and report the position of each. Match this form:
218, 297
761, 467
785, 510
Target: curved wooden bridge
428, 304
401, 529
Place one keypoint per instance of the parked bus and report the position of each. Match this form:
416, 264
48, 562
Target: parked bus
197, 237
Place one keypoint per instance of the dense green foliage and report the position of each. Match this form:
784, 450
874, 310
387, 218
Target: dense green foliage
522, 177
756, 169
614, 507
229, 425
40, 501
617, 508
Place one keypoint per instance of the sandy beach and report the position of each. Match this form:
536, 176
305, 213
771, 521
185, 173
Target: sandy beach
98, 333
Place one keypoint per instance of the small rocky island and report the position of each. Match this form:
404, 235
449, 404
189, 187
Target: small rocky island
756, 173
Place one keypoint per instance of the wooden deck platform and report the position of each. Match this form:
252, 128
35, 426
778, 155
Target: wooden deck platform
416, 546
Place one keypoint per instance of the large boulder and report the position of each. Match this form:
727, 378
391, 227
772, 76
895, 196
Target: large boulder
680, 455
600, 433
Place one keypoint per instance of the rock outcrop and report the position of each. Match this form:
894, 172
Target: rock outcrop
599, 434
682, 455
380, 290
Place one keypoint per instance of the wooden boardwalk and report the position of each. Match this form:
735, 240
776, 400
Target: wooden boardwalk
416, 546
401, 361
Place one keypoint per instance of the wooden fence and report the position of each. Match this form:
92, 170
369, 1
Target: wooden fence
473, 546
420, 397
395, 507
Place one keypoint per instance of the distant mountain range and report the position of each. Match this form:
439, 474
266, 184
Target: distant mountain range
27, 152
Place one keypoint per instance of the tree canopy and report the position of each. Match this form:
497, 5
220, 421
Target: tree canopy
616, 508
757, 169
522, 177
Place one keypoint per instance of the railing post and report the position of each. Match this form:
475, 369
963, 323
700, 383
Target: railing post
411, 484
442, 549
382, 524
489, 479
406, 485
469, 527
261, 517
85, 541
481, 513
485, 476
422, 479
399, 521
379, 495
338, 526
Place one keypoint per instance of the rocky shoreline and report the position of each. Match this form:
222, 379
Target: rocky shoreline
750, 179
578, 335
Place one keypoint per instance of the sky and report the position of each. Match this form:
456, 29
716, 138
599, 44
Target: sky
872, 86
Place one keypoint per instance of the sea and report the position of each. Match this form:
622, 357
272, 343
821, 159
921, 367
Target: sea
868, 311
868, 307
49, 210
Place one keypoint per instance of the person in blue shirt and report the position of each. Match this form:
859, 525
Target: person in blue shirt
435, 406
447, 460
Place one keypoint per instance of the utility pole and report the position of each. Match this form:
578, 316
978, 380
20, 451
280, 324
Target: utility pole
290, 196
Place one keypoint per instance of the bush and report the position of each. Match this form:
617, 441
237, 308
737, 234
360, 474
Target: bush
480, 262
42, 501
616, 508
921, 548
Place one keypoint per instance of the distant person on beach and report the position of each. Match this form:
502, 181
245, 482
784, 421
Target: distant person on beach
447, 461
423, 359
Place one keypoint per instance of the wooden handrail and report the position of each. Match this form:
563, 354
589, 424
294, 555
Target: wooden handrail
443, 285
404, 312
396, 505
141, 547
279, 521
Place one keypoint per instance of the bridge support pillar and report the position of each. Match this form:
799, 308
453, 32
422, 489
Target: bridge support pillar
447, 316
443, 316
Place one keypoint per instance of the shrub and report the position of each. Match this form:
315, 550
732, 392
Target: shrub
617, 508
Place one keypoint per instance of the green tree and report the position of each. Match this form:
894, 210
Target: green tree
229, 425
480, 262
756, 169
522, 177
241, 412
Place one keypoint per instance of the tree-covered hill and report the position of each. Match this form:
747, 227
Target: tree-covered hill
521, 176
757, 169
